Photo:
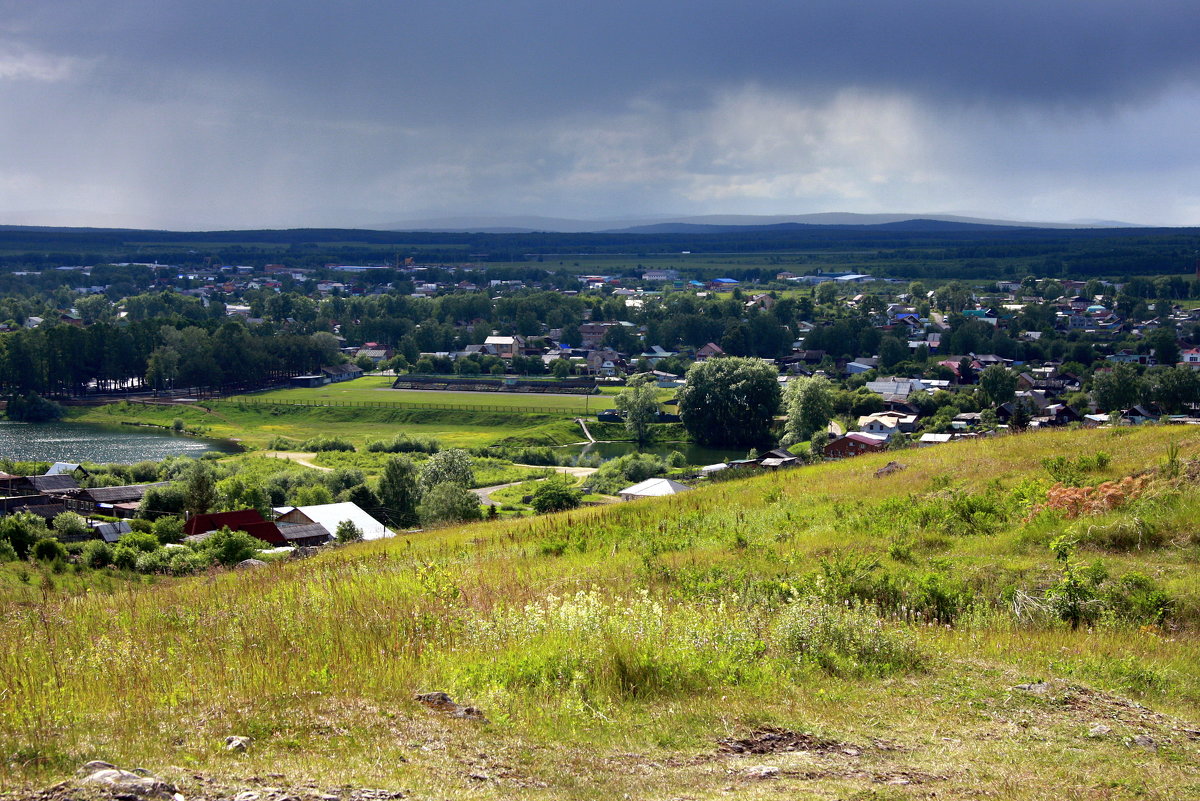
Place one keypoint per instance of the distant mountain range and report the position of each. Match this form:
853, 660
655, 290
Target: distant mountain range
726, 223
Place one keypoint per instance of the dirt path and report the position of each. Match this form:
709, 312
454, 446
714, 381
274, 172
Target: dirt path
578, 472
297, 457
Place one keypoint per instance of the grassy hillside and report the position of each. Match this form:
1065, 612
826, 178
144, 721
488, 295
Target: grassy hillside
892, 637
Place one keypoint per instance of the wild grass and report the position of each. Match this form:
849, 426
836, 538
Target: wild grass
901, 610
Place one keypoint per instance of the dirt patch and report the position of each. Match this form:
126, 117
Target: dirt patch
774, 740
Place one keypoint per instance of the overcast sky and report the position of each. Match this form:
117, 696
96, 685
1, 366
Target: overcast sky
247, 113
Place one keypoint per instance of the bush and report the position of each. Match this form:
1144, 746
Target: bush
153, 562
348, 532
631, 468
33, 408
405, 443
49, 550
140, 541
96, 554
125, 557
7, 552
320, 444
555, 495
448, 502
71, 526
846, 640
185, 562
168, 529
229, 547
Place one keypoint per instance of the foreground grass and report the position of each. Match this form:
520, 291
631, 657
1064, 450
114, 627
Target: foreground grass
611, 649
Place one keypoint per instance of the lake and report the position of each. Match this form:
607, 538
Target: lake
695, 454
88, 442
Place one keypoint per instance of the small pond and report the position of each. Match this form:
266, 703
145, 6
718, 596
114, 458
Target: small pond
89, 442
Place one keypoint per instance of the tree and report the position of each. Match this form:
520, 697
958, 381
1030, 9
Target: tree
448, 502
1166, 348
400, 491
1118, 388
555, 495
639, 404
891, 352
999, 384
809, 403
730, 401
348, 532
560, 367
70, 526
826, 292
21, 530
450, 466
199, 488
1173, 387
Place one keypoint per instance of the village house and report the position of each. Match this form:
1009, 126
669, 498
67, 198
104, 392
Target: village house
854, 444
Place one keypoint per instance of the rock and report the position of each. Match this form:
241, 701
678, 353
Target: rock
246, 564
1037, 688
1099, 730
89, 768
237, 743
129, 783
1143, 741
246, 795
760, 772
442, 702
889, 468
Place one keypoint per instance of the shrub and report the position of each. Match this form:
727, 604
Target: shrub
229, 547
448, 502
319, 444
49, 550
71, 526
96, 554
125, 557
140, 541
405, 443
846, 640
168, 529
33, 408
7, 552
555, 495
348, 532
153, 562
185, 561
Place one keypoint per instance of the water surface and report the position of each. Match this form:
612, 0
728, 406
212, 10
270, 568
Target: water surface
91, 442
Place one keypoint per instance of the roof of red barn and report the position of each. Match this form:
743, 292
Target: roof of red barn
250, 521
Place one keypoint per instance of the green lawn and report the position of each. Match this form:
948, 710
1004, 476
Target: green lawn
378, 389
255, 425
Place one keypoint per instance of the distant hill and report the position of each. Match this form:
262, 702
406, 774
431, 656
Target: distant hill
727, 223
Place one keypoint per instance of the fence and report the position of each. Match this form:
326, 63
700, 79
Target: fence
418, 406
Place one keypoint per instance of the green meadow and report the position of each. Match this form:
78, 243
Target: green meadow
958, 628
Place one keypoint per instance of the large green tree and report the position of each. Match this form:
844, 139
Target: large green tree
639, 404
400, 491
1118, 388
730, 401
999, 384
809, 403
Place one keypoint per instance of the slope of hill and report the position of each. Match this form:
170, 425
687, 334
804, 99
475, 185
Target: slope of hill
956, 627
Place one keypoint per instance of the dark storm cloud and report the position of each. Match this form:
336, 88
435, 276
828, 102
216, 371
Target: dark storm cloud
301, 112
532, 58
